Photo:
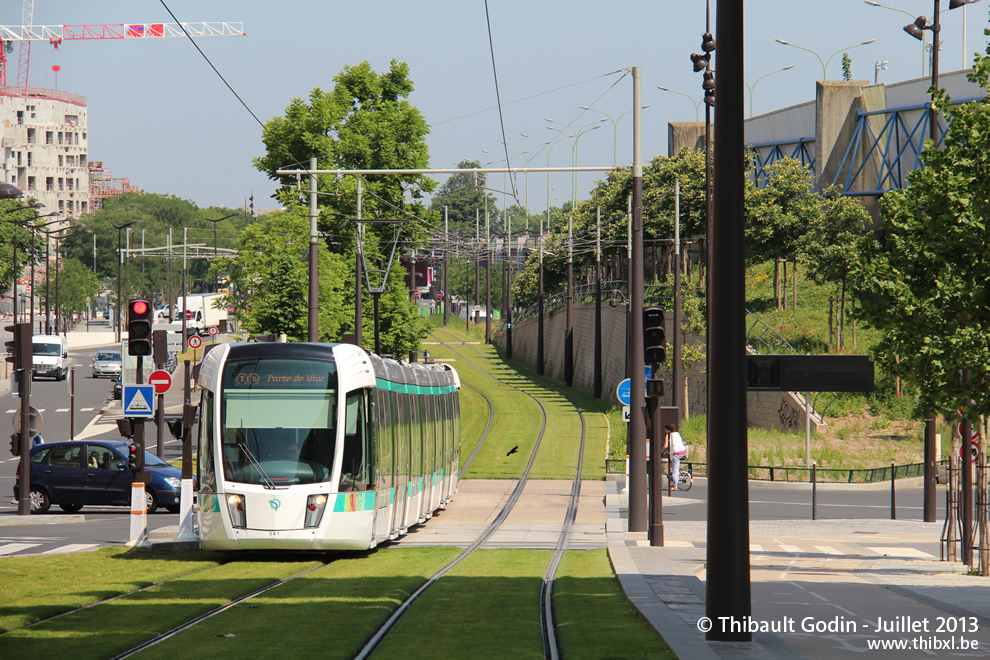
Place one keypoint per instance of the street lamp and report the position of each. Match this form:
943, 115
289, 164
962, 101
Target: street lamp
12, 192
697, 104
753, 86
215, 268
924, 41
33, 229
615, 129
825, 62
120, 263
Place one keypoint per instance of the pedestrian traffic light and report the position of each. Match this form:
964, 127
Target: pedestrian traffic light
139, 319
654, 335
135, 457
15, 444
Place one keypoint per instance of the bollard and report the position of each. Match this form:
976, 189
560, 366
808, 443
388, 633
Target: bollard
893, 494
814, 493
139, 517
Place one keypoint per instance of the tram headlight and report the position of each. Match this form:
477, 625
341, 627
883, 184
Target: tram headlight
315, 505
235, 506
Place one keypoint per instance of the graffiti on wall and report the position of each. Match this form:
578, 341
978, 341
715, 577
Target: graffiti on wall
788, 416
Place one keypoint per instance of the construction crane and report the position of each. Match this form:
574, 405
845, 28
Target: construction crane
56, 34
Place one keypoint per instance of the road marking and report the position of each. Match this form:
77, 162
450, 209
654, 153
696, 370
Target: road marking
62, 410
753, 547
72, 547
11, 548
827, 549
87, 409
791, 548
913, 553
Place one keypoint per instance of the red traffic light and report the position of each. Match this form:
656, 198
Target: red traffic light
139, 307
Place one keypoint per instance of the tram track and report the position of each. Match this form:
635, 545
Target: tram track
551, 642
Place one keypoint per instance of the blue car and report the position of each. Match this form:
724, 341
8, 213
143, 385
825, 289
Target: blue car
94, 472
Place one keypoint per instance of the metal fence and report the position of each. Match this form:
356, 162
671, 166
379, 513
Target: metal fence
803, 474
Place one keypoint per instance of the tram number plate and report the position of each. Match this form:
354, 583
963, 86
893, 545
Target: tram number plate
273, 533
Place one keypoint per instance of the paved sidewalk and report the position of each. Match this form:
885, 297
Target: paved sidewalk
843, 565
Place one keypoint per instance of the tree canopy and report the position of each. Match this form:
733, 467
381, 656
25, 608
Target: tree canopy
924, 284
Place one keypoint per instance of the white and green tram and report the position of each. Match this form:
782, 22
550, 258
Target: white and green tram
321, 446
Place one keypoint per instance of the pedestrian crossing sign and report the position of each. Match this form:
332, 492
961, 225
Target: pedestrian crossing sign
139, 400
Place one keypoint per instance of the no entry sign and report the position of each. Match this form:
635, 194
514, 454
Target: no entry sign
162, 380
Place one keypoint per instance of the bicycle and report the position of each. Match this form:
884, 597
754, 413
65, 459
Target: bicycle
685, 478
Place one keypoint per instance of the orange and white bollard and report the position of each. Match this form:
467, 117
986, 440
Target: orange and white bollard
139, 517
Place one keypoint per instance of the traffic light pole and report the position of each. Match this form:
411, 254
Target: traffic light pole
24, 501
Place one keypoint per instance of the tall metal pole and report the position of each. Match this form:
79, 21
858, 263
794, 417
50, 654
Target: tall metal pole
48, 268
477, 259
597, 379
359, 272
540, 362
677, 387
509, 265
638, 510
488, 280
185, 294
313, 334
446, 269
13, 271
569, 316
930, 458
728, 585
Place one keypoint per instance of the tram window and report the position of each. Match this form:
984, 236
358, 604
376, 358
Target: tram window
357, 458
207, 470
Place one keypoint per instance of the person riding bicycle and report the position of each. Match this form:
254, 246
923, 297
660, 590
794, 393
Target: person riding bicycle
674, 444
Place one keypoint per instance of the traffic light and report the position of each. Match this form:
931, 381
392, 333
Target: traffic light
15, 444
654, 335
20, 348
135, 457
139, 320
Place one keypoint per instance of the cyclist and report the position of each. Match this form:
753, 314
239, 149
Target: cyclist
674, 444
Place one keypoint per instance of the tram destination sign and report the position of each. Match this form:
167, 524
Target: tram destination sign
809, 373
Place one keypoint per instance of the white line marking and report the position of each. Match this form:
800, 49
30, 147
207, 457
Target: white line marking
901, 552
73, 547
827, 549
11, 548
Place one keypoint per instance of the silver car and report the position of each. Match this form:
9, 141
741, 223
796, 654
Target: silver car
107, 363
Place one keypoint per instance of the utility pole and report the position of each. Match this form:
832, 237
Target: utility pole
677, 375
313, 334
597, 385
488, 280
358, 274
446, 270
638, 513
569, 322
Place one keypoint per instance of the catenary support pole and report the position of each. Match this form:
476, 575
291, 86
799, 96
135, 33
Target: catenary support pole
313, 334
638, 512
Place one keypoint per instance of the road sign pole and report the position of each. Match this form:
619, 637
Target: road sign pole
24, 501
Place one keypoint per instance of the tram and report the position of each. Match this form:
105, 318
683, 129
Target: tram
305, 446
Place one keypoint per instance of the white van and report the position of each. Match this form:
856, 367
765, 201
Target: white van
51, 356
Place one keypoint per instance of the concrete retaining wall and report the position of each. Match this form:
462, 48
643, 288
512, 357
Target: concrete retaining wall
779, 410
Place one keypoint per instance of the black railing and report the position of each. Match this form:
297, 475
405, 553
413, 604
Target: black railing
803, 474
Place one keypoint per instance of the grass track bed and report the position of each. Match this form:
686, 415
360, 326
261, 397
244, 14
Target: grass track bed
326, 614
138, 617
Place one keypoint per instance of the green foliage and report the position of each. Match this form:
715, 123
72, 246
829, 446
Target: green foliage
846, 67
465, 197
924, 285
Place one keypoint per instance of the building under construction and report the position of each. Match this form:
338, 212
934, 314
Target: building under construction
103, 185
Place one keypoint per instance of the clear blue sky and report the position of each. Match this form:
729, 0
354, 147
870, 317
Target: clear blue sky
160, 116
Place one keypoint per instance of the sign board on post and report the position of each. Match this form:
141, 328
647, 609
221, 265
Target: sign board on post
161, 381
139, 400
195, 341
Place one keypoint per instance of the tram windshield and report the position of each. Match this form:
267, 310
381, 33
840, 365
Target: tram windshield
277, 421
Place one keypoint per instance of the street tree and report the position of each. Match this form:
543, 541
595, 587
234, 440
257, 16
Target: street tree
364, 122
923, 284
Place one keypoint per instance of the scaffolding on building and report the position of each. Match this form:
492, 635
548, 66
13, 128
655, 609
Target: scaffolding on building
102, 185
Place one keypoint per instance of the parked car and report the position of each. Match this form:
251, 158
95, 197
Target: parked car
118, 389
94, 472
107, 363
